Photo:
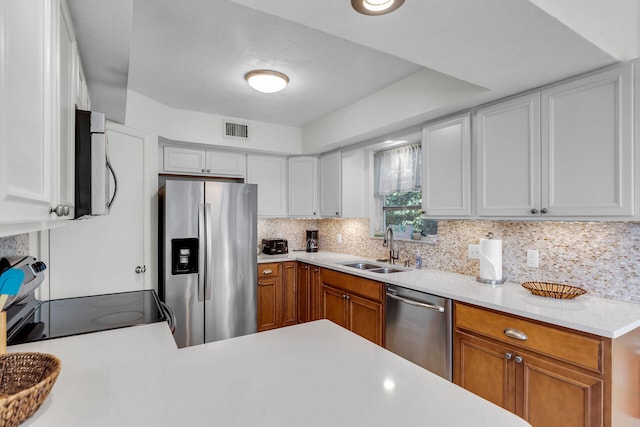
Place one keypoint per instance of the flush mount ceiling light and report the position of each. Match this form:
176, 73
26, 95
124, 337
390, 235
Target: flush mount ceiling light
376, 7
266, 81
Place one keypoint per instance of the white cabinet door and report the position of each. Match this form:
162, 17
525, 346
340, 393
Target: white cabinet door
226, 163
270, 173
100, 255
63, 153
587, 146
185, 160
354, 184
303, 186
508, 158
446, 150
27, 109
330, 185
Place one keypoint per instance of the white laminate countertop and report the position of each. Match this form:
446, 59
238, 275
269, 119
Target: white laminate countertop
601, 316
313, 374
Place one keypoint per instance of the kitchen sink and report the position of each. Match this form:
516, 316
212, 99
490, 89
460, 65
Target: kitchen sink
361, 265
373, 268
385, 270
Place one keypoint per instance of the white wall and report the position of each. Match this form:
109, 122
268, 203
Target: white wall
156, 118
405, 103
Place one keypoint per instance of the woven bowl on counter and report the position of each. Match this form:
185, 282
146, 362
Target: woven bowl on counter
25, 382
553, 290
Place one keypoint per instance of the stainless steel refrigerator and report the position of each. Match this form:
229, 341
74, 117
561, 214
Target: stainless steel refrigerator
208, 260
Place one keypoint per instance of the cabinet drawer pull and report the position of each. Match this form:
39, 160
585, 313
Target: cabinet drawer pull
514, 333
267, 271
534, 211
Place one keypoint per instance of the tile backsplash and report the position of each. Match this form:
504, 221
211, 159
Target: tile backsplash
603, 257
17, 245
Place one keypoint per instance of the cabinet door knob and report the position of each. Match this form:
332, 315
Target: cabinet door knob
544, 210
259, 283
66, 210
203, 170
518, 359
141, 269
508, 356
423, 212
208, 170
58, 210
534, 211
514, 333
337, 213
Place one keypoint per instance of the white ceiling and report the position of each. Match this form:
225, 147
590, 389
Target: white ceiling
192, 54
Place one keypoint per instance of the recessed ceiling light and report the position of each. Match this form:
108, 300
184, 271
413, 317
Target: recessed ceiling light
266, 81
376, 7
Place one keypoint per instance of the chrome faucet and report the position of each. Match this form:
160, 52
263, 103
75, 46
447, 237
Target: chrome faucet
388, 241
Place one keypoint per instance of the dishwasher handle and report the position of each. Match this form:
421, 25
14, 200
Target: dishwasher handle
416, 303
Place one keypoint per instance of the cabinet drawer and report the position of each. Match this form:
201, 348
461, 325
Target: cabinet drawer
580, 350
353, 284
271, 269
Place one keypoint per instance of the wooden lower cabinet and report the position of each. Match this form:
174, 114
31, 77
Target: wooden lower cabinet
289, 294
340, 303
522, 376
306, 292
277, 300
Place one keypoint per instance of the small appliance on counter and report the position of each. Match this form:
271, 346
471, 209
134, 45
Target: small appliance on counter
275, 246
312, 240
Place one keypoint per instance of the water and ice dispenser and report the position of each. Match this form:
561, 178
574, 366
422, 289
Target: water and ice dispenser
184, 256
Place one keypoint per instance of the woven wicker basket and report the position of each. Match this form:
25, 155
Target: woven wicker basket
553, 290
25, 381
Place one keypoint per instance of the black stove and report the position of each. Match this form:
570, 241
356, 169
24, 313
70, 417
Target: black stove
29, 319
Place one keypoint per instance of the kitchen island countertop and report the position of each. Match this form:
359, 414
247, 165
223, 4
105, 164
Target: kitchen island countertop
600, 316
313, 374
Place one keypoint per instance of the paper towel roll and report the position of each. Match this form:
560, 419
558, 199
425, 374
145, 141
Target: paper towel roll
491, 259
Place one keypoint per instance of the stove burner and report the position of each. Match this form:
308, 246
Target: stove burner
122, 318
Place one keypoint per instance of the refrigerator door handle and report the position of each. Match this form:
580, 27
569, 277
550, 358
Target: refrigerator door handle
208, 215
202, 234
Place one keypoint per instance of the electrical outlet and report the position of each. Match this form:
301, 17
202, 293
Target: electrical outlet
473, 252
339, 238
532, 258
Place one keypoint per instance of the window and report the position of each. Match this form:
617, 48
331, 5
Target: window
398, 193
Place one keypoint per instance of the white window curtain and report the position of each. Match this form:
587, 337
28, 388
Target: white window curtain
399, 169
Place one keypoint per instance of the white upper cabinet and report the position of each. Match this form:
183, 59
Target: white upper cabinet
446, 150
330, 185
28, 107
587, 146
270, 173
196, 161
39, 84
354, 184
303, 186
508, 157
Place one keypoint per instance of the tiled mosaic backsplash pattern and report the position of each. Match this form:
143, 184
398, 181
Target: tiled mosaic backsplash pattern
603, 257
14, 245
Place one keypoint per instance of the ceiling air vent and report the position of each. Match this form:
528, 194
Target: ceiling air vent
235, 130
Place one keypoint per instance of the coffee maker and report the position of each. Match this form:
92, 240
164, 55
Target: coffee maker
312, 240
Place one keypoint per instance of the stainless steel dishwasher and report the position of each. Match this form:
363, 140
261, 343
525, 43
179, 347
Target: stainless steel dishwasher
418, 328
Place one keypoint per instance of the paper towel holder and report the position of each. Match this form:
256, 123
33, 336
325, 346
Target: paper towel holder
490, 281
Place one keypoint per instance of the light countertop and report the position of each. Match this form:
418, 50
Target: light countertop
599, 316
313, 374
